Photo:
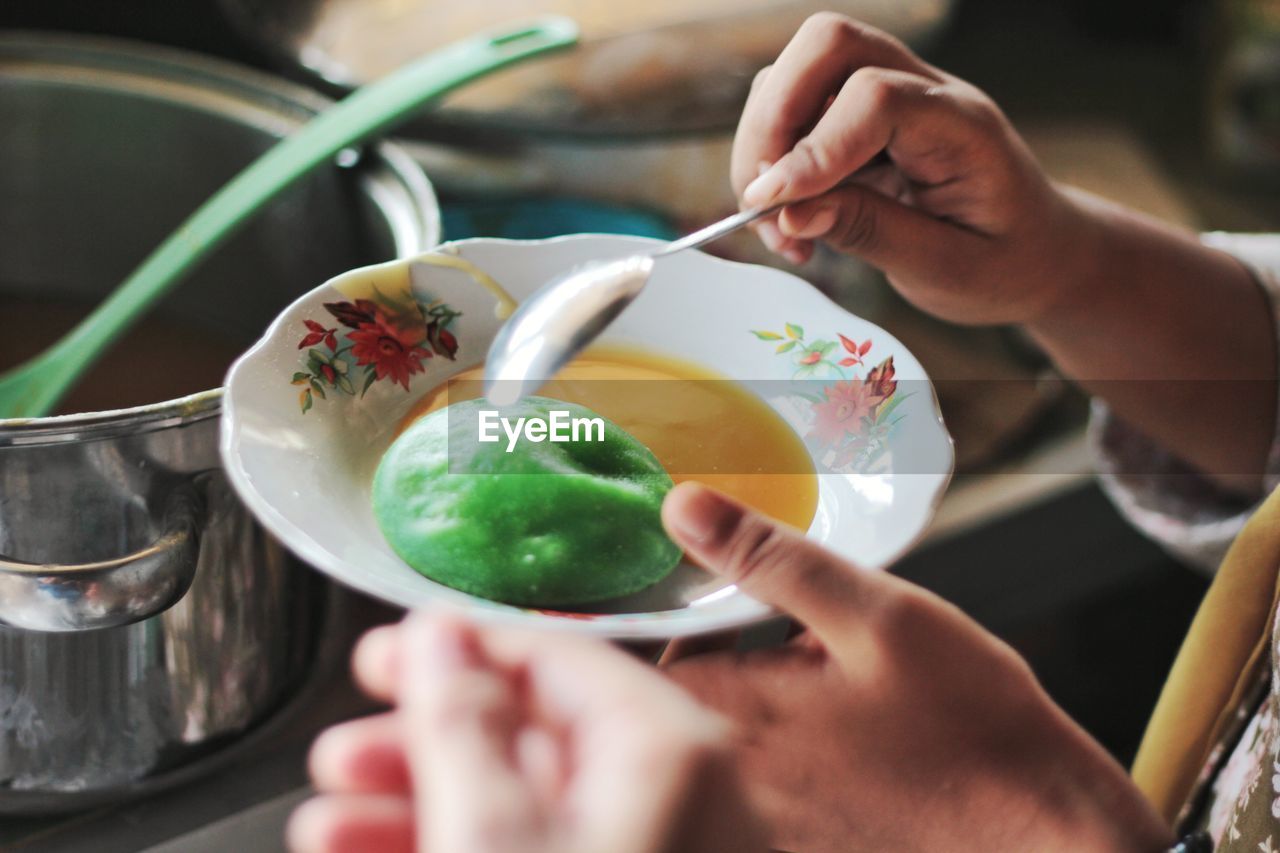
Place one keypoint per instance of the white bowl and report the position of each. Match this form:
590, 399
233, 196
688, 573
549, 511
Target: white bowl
307, 474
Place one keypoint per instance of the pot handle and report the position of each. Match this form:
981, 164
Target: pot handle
107, 593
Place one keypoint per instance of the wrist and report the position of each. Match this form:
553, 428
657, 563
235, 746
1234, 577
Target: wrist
1075, 796
1083, 236
1118, 821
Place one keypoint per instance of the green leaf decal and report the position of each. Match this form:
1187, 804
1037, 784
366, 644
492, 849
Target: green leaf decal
892, 404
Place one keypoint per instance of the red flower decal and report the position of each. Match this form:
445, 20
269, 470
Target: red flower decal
881, 378
857, 350
848, 403
392, 349
850, 419
442, 340
353, 314
375, 339
567, 614
317, 333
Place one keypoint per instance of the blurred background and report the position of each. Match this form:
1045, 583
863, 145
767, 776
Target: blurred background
1170, 106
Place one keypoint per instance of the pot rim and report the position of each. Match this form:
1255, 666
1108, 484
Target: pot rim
110, 423
245, 95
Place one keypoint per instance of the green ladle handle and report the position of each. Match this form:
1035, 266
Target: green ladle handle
361, 115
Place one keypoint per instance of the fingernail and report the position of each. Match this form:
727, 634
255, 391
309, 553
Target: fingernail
701, 516
796, 256
770, 236
377, 650
437, 644
762, 167
765, 188
817, 225
310, 827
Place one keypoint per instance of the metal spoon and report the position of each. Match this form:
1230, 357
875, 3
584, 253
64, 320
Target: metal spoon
566, 314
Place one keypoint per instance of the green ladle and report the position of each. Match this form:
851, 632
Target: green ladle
32, 389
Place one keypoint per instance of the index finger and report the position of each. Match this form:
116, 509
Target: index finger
625, 722
574, 681
461, 716
570, 679
791, 96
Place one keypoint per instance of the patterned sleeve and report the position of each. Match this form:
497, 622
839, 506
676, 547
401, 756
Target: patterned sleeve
1163, 497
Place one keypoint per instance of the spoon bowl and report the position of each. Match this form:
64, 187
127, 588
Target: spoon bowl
559, 321
566, 314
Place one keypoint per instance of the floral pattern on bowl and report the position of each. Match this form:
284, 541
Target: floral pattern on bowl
851, 420
389, 336
307, 475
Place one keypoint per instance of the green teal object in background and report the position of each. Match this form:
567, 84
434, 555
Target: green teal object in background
537, 218
546, 525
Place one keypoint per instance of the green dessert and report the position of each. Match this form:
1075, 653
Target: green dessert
522, 519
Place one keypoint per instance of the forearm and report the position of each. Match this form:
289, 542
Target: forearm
1176, 337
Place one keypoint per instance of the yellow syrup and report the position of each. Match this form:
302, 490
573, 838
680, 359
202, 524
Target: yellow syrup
700, 425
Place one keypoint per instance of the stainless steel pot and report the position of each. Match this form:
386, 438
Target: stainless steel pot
147, 619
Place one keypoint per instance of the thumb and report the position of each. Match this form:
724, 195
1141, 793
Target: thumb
771, 562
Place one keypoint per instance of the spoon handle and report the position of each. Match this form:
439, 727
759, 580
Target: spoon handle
715, 231
729, 224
